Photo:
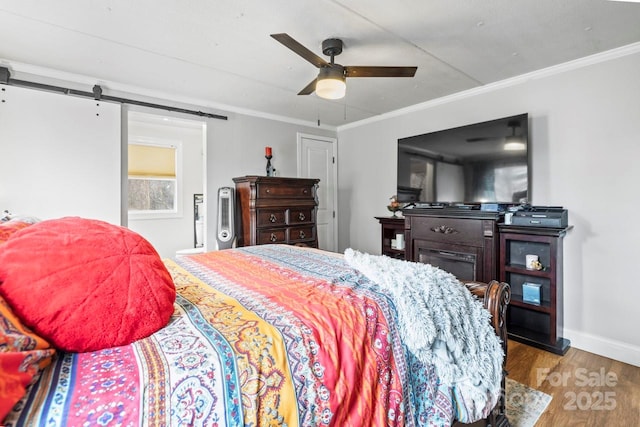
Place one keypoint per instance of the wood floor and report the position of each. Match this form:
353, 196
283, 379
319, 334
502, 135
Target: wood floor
587, 389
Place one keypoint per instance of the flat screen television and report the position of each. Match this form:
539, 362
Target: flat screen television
484, 162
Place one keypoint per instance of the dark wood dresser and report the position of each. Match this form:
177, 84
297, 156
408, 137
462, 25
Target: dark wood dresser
276, 210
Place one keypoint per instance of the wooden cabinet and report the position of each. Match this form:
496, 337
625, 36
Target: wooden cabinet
276, 210
474, 245
391, 227
464, 243
532, 323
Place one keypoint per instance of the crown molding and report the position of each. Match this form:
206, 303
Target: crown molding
586, 61
50, 73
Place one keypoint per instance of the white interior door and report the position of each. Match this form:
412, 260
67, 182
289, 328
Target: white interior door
317, 159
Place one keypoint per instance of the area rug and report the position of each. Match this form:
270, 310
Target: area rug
524, 404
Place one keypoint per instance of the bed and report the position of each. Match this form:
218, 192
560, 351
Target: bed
279, 335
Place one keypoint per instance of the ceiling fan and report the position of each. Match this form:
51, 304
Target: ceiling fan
513, 124
512, 142
330, 83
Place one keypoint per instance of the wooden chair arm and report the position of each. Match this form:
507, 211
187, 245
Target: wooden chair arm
495, 297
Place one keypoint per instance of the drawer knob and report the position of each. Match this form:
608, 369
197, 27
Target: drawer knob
444, 230
273, 218
302, 235
267, 191
273, 237
301, 216
305, 191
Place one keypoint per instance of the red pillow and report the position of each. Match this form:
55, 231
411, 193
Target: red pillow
84, 284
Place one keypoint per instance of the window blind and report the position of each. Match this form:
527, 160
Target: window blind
152, 161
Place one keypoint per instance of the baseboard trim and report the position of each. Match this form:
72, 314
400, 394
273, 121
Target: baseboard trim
612, 349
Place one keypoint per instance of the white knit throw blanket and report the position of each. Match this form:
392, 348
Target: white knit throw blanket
442, 324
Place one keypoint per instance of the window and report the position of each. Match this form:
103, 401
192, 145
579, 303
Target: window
154, 178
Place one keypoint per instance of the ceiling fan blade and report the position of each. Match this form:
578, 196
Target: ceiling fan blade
309, 89
292, 44
364, 71
485, 138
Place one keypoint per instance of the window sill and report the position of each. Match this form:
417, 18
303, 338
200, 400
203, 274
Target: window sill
154, 215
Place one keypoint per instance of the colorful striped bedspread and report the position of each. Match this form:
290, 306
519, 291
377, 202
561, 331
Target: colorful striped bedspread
268, 335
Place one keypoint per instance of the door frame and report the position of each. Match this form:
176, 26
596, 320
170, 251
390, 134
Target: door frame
159, 116
334, 145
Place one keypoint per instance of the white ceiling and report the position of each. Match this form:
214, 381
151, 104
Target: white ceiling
219, 53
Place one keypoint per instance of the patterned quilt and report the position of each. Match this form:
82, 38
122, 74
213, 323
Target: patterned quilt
268, 335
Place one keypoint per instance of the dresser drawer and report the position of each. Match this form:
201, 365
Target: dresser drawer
448, 230
271, 217
273, 191
275, 235
300, 216
299, 234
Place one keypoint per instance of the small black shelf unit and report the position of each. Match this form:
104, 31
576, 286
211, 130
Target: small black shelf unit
391, 227
538, 325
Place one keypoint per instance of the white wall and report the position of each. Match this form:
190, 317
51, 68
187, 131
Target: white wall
585, 128
60, 155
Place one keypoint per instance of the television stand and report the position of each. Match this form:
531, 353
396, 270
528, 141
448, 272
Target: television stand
419, 205
462, 241
536, 324
391, 227
474, 245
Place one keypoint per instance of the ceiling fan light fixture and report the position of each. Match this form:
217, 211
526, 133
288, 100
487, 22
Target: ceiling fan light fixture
514, 144
331, 83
